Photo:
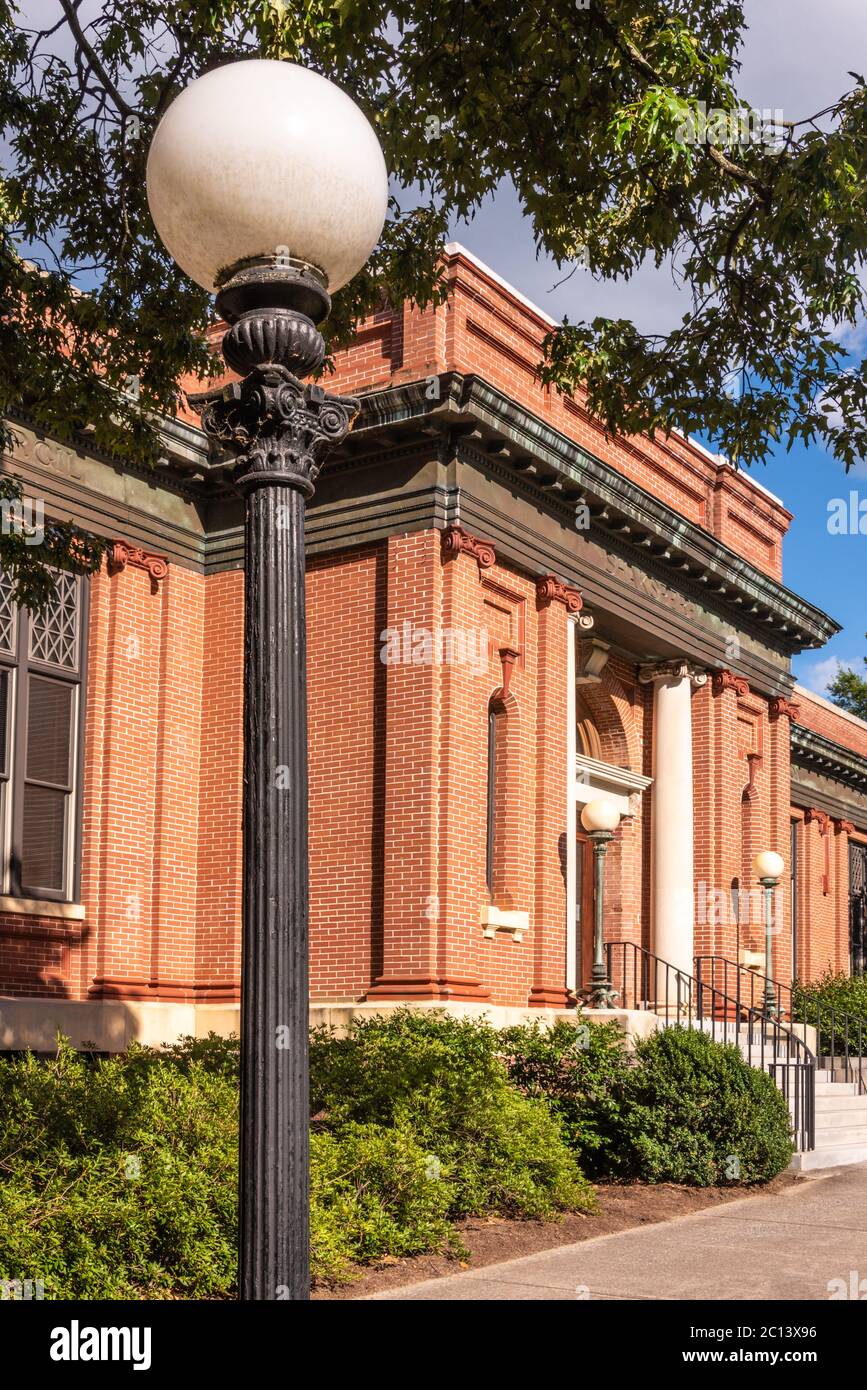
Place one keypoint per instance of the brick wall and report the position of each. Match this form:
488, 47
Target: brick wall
398, 746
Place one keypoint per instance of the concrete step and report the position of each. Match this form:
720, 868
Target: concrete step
843, 1134
832, 1113
828, 1157
835, 1088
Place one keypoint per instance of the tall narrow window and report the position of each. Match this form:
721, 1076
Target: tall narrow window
858, 907
793, 870
41, 673
493, 720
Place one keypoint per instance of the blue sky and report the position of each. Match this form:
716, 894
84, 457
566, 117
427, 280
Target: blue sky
796, 57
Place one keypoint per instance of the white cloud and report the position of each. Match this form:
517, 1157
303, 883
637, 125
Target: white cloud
819, 674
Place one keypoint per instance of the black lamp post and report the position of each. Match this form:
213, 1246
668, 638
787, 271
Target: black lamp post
266, 169
600, 818
768, 867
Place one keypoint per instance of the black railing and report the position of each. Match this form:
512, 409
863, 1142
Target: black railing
644, 981
840, 1038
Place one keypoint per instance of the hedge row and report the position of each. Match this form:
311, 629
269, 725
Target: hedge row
118, 1176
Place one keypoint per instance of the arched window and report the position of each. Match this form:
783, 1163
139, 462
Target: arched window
587, 740
495, 717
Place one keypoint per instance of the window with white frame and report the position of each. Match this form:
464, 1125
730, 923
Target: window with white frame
41, 675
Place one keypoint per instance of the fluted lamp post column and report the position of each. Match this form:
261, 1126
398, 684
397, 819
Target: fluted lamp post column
268, 187
600, 818
768, 868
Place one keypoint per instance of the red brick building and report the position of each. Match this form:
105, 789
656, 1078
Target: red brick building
509, 614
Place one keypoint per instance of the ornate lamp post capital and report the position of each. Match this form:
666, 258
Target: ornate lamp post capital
279, 429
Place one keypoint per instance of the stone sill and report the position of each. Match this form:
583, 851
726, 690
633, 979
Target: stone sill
496, 919
43, 907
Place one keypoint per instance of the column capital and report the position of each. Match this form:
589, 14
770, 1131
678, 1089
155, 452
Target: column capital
727, 680
456, 541
817, 817
678, 668
779, 706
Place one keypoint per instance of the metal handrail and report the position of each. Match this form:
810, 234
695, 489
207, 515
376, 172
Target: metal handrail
646, 982
840, 1037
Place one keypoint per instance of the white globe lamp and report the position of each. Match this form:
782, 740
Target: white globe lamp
262, 160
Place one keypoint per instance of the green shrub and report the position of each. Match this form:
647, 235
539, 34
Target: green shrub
694, 1112
442, 1081
845, 994
118, 1176
579, 1070
374, 1192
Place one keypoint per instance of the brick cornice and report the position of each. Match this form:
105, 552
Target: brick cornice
690, 558
822, 755
457, 541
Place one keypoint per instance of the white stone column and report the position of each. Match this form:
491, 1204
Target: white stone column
672, 885
572, 981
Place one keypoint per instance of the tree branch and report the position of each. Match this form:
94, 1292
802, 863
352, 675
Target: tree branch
71, 12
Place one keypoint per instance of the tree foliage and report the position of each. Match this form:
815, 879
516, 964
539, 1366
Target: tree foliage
849, 691
595, 112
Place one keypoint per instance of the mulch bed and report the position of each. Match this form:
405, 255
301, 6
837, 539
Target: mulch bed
491, 1240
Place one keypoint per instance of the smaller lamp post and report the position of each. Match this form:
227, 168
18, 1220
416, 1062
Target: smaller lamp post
768, 868
600, 819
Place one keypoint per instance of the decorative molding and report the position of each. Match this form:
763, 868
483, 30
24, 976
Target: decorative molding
779, 706
123, 554
277, 428
650, 531
816, 753
844, 827
550, 589
754, 761
457, 541
823, 820
677, 669
508, 657
727, 680
593, 658
498, 919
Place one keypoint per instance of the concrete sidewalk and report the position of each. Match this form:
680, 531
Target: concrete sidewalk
789, 1246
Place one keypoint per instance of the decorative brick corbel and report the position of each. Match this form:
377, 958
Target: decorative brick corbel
727, 680
457, 541
823, 820
550, 589
123, 554
508, 657
754, 761
779, 706
844, 827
